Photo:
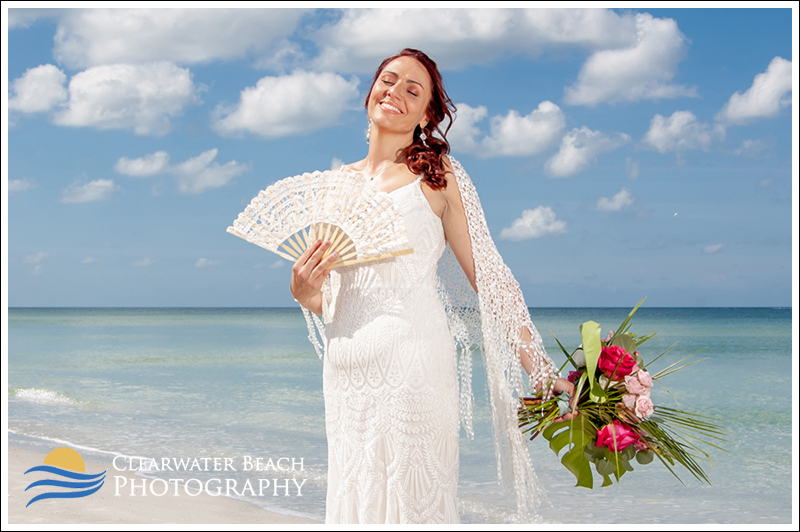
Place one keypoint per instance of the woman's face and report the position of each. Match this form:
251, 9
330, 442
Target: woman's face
400, 96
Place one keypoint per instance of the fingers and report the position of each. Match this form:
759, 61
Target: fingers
311, 263
323, 268
316, 257
315, 249
307, 253
312, 255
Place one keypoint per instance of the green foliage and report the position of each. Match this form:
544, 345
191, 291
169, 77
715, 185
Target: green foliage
575, 434
670, 434
590, 336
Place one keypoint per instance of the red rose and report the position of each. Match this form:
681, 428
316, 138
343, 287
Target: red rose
615, 362
624, 435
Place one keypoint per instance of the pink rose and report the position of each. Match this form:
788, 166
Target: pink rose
645, 378
629, 400
624, 435
644, 406
574, 376
615, 362
609, 337
635, 386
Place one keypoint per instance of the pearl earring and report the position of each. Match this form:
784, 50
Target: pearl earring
369, 130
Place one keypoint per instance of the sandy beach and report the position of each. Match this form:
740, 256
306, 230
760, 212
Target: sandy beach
105, 507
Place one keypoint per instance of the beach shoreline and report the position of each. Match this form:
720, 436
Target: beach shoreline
112, 506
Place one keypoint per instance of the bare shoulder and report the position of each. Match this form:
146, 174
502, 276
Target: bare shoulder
439, 198
451, 193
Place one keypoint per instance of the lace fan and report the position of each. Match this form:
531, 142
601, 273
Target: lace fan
361, 222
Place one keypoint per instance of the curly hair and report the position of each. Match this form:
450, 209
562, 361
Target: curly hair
426, 156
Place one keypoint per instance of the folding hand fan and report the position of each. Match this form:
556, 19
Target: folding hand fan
361, 222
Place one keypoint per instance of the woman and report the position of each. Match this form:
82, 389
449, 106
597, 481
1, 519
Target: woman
391, 386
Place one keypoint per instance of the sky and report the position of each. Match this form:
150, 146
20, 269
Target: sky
618, 153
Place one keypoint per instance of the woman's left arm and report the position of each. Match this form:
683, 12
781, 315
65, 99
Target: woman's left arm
456, 230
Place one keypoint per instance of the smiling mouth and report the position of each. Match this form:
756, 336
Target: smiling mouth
390, 107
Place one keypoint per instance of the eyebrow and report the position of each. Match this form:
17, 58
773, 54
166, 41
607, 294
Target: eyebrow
410, 81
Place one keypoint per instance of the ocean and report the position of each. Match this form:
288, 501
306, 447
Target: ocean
245, 384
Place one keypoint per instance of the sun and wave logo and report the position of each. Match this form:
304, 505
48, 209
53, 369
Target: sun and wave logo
67, 464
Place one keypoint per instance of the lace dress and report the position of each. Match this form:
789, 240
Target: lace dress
393, 397
390, 384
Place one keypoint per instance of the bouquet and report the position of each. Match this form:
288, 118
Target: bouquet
617, 420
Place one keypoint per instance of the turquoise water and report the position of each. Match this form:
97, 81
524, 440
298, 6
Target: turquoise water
162, 382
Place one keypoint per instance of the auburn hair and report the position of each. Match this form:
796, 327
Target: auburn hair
426, 156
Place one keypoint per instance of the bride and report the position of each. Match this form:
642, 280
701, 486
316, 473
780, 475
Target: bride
395, 387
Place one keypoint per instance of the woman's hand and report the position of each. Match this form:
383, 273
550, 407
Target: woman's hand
308, 274
563, 385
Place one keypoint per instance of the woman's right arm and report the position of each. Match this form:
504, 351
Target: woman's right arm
308, 274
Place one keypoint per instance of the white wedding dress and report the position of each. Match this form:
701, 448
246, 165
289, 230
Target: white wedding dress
399, 337
390, 383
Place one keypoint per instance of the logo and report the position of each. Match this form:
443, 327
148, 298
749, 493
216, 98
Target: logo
67, 464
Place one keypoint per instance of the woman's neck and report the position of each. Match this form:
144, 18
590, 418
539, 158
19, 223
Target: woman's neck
384, 149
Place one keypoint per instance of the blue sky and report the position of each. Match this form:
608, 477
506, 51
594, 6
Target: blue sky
618, 153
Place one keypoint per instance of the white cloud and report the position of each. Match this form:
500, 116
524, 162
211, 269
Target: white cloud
682, 131
38, 89
283, 57
152, 164
98, 190
36, 257
525, 135
205, 263
90, 37
143, 263
621, 199
195, 175
641, 70
752, 148
510, 135
288, 105
89, 260
714, 248
24, 17
534, 223
276, 264
463, 136
139, 97
20, 185
200, 173
336, 163
631, 168
765, 98
579, 148
456, 37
